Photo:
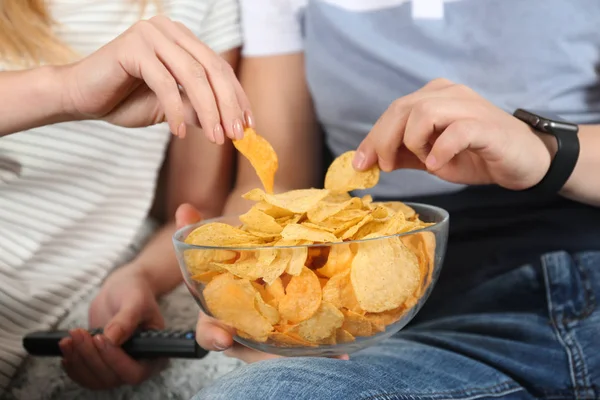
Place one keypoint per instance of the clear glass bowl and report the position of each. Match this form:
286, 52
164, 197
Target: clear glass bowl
366, 328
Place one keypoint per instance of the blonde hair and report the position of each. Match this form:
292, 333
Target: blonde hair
27, 36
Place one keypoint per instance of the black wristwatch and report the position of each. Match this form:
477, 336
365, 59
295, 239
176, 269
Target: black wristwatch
567, 152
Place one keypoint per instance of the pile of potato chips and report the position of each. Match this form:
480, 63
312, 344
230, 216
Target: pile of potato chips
300, 269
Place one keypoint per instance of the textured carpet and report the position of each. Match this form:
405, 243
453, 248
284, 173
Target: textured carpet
43, 378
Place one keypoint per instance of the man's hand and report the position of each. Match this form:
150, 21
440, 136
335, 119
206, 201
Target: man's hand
135, 81
455, 134
124, 303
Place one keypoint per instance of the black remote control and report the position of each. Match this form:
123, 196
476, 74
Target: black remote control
143, 344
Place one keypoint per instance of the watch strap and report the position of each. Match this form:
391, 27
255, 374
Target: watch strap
567, 151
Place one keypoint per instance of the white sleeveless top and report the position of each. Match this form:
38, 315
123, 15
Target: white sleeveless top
73, 196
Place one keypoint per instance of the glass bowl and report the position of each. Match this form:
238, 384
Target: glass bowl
391, 276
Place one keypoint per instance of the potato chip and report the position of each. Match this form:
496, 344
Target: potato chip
261, 155
323, 282
422, 244
301, 232
205, 277
383, 274
339, 292
342, 177
302, 297
318, 227
296, 201
247, 336
218, 234
356, 324
267, 311
380, 321
278, 266
267, 264
232, 301
273, 211
258, 221
397, 206
322, 324
352, 232
297, 260
290, 339
343, 336
339, 260
300, 292
200, 261
275, 289
379, 212
326, 209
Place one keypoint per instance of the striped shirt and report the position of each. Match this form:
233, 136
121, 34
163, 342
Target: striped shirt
73, 196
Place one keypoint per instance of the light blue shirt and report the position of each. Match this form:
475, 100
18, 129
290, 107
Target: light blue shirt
363, 54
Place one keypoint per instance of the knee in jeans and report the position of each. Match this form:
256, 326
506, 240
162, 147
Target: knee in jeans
279, 376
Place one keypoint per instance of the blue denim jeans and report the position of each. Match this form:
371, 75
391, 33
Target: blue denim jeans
531, 333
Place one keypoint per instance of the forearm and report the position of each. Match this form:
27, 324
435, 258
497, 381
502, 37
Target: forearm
157, 261
584, 183
31, 98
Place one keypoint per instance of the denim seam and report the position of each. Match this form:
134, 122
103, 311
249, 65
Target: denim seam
502, 388
590, 298
577, 367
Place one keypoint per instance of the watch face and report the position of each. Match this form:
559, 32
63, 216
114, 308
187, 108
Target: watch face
545, 121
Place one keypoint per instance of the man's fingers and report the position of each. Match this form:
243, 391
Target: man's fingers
430, 116
458, 137
387, 135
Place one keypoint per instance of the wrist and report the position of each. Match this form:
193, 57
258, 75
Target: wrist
155, 281
51, 93
63, 76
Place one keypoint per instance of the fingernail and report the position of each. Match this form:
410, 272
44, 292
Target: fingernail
75, 337
112, 333
238, 129
219, 135
181, 130
430, 162
249, 119
101, 343
66, 347
359, 160
220, 346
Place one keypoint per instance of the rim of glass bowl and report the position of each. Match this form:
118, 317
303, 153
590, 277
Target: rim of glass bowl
181, 245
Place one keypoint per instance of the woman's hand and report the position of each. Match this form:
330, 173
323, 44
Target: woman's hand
455, 134
133, 82
124, 303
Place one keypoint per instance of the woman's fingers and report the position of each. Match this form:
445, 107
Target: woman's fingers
218, 73
212, 335
83, 362
127, 369
146, 66
192, 76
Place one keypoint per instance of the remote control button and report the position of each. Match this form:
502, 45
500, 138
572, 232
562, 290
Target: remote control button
190, 335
